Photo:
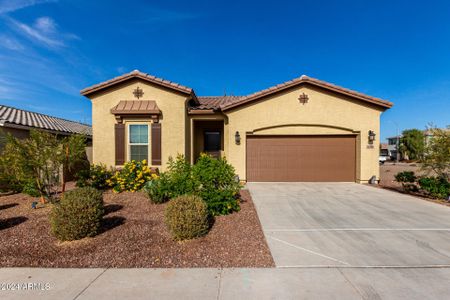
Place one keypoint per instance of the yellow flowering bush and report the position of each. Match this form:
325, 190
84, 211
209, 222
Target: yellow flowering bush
132, 177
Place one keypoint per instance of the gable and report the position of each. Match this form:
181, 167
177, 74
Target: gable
137, 76
305, 81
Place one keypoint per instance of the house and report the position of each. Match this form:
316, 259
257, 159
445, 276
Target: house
384, 150
302, 130
19, 122
393, 143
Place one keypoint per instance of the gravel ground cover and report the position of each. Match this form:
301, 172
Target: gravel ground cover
133, 236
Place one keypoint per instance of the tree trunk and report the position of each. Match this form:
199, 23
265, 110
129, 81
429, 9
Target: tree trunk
66, 163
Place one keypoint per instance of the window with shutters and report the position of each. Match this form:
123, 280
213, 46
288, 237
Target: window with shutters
138, 142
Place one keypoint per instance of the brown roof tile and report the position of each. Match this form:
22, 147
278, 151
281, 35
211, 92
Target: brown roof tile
15, 116
137, 74
309, 80
136, 107
214, 102
228, 102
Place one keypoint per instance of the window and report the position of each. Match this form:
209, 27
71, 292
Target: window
138, 142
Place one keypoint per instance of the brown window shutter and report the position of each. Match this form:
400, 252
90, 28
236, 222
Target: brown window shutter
156, 144
120, 143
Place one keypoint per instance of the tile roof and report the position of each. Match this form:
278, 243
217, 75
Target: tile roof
15, 116
228, 102
214, 102
136, 74
312, 81
136, 107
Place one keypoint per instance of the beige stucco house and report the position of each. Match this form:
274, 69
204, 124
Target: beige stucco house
301, 130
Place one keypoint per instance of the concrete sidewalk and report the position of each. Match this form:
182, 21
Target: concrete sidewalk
275, 283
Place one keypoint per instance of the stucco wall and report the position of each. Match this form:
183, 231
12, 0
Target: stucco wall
325, 113
173, 120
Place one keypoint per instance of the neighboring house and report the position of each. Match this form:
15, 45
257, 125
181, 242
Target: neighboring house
19, 122
384, 151
301, 130
393, 141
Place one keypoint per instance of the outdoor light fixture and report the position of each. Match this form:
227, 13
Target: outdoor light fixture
371, 136
237, 138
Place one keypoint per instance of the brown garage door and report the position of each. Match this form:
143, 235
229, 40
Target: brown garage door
301, 158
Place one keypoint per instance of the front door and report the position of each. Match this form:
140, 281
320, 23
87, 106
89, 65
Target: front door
212, 143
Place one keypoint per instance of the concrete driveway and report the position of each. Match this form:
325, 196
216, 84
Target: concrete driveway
351, 225
329, 241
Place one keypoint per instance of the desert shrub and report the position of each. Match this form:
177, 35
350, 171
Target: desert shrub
437, 187
8, 181
78, 214
187, 217
159, 190
406, 176
407, 179
216, 184
176, 181
437, 154
132, 177
179, 171
96, 176
29, 187
41, 157
214, 180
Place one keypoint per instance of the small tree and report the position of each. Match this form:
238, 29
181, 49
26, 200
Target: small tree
40, 159
412, 144
437, 154
37, 158
74, 154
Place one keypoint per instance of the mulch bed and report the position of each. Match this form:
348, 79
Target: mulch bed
134, 235
388, 182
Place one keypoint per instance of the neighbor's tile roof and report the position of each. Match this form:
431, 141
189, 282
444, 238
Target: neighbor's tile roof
136, 74
15, 116
228, 102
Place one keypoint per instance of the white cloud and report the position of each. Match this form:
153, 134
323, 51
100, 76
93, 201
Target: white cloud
7, 6
43, 31
10, 43
45, 24
38, 35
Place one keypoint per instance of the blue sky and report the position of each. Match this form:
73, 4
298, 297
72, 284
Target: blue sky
395, 50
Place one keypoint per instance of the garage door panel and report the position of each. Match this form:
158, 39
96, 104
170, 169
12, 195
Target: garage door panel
301, 158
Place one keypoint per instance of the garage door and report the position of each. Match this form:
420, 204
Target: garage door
301, 158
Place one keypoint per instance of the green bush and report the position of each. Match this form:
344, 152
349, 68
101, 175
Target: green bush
78, 214
437, 187
97, 177
405, 176
176, 181
179, 171
29, 187
408, 180
211, 179
216, 184
187, 217
159, 190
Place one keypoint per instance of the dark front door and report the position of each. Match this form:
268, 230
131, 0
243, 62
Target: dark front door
212, 143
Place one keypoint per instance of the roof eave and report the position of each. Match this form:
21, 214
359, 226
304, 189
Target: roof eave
107, 84
202, 112
270, 91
